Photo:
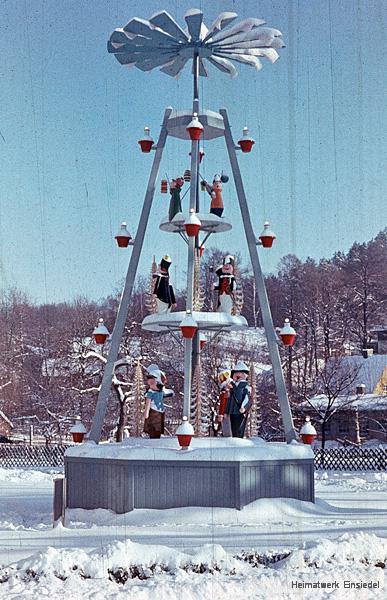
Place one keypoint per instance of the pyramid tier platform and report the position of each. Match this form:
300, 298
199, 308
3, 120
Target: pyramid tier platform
209, 223
212, 122
207, 321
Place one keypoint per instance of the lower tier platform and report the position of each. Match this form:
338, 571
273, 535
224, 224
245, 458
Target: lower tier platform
223, 472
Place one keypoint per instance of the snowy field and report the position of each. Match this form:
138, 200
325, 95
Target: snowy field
263, 551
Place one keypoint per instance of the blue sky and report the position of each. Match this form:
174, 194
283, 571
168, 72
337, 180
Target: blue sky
71, 116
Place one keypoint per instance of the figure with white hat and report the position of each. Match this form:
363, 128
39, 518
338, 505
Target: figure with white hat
226, 285
163, 290
239, 400
154, 414
215, 191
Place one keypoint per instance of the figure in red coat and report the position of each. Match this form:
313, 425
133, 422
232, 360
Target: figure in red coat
215, 191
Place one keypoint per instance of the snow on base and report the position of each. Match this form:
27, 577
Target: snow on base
201, 449
264, 510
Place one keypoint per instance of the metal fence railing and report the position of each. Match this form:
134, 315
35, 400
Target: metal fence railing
20, 455
340, 459
351, 459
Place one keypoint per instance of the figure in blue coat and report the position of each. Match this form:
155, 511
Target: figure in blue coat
239, 400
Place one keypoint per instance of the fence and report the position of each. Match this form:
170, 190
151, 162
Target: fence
17, 455
351, 459
341, 459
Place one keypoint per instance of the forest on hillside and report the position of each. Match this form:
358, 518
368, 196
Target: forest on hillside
51, 367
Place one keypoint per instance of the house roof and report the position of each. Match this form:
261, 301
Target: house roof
364, 402
5, 418
370, 370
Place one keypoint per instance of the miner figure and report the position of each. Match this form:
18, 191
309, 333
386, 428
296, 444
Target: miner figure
163, 290
239, 399
225, 285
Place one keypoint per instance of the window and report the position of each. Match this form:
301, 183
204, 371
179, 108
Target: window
343, 427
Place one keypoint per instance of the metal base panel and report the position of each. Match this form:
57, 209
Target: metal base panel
121, 484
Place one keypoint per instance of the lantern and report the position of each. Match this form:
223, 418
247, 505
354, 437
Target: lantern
188, 326
146, 142
100, 333
201, 154
246, 142
195, 128
164, 186
267, 236
184, 433
123, 237
308, 432
288, 334
192, 224
78, 431
187, 175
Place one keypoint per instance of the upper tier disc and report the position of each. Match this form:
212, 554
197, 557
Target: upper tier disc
209, 223
212, 122
207, 321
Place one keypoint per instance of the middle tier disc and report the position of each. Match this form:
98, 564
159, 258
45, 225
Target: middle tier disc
209, 223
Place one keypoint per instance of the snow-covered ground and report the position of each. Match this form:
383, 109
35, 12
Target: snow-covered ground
197, 553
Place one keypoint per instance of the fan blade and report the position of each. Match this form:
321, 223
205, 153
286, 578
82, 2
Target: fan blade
164, 21
243, 26
223, 65
194, 19
202, 68
176, 66
245, 59
221, 22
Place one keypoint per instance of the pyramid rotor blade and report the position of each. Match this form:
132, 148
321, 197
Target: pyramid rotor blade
164, 21
176, 66
221, 22
224, 65
194, 19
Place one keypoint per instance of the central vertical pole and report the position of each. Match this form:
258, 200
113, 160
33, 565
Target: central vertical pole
191, 245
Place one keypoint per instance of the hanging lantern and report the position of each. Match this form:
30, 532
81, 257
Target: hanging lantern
146, 142
195, 128
78, 431
187, 175
201, 250
192, 224
100, 333
188, 326
202, 340
123, 237
307, 432
267, 236
287, 334
164, 186
184, 434
246, 142
201, 154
